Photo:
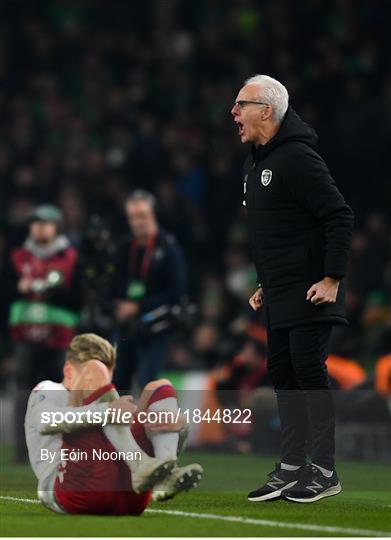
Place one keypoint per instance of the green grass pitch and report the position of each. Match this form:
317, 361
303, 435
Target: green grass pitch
217, 508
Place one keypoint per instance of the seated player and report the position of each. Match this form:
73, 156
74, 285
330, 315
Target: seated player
64, 454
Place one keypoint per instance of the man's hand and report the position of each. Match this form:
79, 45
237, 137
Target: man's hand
124, 404
24, 285
126, 309
323, 292
256, 301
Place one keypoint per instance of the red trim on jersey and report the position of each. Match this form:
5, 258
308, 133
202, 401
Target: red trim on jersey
162, 392
138, 432
96, 394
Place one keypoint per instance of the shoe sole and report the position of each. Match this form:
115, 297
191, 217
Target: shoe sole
189, 480
328, 493
273, 495
157, 475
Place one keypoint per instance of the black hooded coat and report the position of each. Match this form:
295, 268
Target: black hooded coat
300, 225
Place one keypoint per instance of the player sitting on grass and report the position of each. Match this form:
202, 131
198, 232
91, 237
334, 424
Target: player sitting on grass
65, 454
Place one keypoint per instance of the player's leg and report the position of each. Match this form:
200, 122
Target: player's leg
156, 397
160, 396
102, 487
126, 501
309, 349
93, 384
147, 470
293, 417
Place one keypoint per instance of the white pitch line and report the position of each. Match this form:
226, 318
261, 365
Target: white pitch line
18, 499
248, 521
270, 523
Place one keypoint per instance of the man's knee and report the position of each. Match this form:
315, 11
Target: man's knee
282, 378
313, 381
155, 391
311, 374
153, 385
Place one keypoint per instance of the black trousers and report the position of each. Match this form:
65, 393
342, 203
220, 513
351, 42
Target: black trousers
297, 367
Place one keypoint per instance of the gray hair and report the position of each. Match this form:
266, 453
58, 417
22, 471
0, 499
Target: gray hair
272, 92
142, 195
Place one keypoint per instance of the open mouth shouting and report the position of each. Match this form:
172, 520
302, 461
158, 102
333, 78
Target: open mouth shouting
241, 129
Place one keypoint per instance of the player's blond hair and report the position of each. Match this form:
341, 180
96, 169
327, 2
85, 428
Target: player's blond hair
86, 347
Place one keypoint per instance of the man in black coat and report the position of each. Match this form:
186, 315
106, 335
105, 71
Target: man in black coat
300, 228
149, 292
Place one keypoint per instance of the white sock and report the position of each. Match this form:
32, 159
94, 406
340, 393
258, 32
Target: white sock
288, 467
165, 445
325, 472
121, 437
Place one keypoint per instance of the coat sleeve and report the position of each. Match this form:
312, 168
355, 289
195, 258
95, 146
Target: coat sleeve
312, 186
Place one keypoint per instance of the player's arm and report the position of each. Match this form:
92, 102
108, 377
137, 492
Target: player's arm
44, 413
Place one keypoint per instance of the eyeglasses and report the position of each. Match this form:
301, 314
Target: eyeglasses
243, 102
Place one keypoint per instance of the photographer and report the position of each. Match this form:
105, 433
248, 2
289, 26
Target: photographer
149, 292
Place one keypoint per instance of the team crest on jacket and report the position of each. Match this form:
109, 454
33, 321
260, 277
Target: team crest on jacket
266, 177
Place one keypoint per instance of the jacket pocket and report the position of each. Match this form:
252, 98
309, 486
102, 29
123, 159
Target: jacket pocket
285, 266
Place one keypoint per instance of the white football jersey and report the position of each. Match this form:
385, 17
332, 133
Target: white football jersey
45, 448
46, 396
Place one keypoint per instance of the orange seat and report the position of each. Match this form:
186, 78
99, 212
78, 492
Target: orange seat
383, 375
346, 372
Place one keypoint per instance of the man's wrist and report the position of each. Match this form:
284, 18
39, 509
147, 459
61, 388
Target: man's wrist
332, 279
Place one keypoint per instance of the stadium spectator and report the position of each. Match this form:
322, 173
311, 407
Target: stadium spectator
243, 384
43, 285
87, 110
149, 293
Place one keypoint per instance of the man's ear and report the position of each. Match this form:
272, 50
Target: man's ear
67, 370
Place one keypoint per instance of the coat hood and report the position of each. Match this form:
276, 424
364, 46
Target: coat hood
293, 128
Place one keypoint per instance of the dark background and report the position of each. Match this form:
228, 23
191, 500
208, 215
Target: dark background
99, 98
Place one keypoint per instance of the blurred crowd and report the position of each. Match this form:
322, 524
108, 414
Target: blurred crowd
99, 99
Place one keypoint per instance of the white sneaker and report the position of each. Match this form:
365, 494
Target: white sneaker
147, 471
180, 479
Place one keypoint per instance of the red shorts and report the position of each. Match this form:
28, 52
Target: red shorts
91, 486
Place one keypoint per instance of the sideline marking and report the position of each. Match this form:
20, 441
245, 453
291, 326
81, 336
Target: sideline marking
246, 520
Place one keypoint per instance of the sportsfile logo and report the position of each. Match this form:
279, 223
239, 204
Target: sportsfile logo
55, 419
109, 416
